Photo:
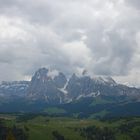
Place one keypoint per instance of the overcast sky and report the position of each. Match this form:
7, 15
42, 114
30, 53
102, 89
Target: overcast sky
101, 36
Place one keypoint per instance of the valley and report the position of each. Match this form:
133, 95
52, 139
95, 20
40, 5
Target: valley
54, 107
42, 127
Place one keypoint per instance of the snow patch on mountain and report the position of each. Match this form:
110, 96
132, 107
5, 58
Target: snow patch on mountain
64, 88
93, 94
104, 80
38, 75
109, 80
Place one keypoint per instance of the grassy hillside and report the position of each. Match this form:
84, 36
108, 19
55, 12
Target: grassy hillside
38, 127
99, 107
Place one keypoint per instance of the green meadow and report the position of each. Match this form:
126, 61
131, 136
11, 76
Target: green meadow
41, 127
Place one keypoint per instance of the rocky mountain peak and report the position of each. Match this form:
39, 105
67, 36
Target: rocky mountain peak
53, 86
41, 74
46, 84
109, 80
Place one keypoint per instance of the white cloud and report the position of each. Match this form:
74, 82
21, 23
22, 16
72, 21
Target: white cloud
70, 35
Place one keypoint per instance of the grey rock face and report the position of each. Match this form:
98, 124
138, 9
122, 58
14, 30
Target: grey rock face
59, 89
52, 86
13, 89
45, 85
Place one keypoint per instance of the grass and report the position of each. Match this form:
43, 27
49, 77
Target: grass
99, 100
54, 110
99, 114
41, 127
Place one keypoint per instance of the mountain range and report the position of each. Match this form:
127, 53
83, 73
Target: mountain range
50, 88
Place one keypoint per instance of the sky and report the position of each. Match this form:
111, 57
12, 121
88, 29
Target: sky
100, 36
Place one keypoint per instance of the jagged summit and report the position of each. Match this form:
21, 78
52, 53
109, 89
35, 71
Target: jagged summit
45, 74
81, 93
45, 85
41, 74
54, 87
104, 80
109, 80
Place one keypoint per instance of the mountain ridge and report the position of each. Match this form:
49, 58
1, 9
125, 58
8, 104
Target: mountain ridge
54, 86
81, 96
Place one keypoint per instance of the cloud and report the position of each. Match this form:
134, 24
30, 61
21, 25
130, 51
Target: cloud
134, 3
100, 36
